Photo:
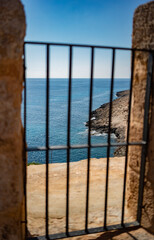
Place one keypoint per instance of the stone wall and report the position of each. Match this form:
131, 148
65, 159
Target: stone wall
12, 32
143, 37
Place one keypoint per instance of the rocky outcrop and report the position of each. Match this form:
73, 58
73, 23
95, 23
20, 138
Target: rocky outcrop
122, 93
100, 119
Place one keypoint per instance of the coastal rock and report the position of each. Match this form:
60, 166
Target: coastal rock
122, 93
100, 119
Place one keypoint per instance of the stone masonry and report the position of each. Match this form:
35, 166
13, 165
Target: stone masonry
12, 32
143, 37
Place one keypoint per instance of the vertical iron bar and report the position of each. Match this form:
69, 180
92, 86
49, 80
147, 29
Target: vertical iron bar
89, 137
68, 139
47, 139
145, 134
109, 130
25, 128
127, 140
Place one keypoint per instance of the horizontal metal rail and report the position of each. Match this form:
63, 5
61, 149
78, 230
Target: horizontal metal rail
86, 46
64, 147
90, 231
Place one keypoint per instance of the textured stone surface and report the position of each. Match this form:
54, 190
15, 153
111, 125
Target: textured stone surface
100, 119
12, 32
143, 37
57, 195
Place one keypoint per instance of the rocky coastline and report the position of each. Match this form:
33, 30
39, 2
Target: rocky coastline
100, 119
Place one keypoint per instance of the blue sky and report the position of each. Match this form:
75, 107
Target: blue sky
97, 22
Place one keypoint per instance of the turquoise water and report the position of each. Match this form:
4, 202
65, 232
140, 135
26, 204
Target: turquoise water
36, 109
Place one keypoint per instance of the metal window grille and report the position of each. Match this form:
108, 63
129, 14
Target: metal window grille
89, 145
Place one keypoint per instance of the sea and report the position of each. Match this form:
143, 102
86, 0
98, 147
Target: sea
58, 106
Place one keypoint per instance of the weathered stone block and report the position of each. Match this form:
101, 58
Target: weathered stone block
143, 37
12, 32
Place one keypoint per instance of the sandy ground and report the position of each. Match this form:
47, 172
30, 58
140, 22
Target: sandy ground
57, 195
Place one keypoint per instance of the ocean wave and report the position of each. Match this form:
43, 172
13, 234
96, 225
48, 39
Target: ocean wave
96, 133
113, 135
93, 132
83, 132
